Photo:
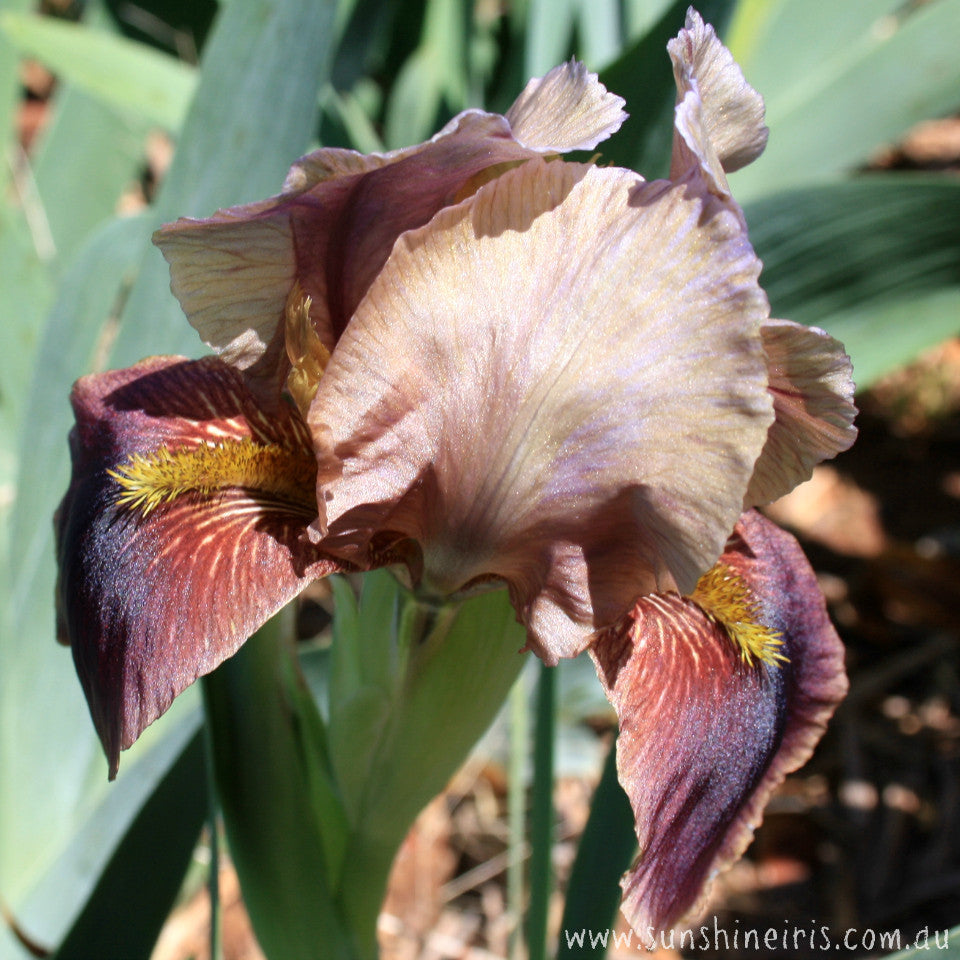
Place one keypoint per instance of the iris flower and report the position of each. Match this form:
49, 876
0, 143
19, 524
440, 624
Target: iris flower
482, 364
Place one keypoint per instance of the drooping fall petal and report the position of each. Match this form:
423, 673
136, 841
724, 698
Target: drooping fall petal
182, 531
558, 383
719, 116
811, 381
333, 226
705, 736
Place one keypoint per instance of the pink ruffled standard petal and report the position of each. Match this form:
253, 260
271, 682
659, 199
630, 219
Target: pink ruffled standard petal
732, 111
719, 124
811, 382
330, 231
183, 530
705, 735
559, 383
568, 109
333, 226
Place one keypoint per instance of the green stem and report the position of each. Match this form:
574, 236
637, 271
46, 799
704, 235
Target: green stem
421, 626
516, 811
541, 815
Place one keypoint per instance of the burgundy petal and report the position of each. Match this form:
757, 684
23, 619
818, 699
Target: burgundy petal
704, 736
151, 599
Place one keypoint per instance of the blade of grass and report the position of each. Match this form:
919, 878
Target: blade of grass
516, 811
85, 160
599, 29
606, 848
121, 73
549, 35
542, 815
124, 914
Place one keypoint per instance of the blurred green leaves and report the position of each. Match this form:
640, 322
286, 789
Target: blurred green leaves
875, 260
128, 76
842, 80
236, 145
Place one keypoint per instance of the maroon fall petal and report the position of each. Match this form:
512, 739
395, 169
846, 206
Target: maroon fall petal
149, 601
704, 737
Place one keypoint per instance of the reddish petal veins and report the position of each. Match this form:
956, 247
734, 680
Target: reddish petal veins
704, 738
151, 602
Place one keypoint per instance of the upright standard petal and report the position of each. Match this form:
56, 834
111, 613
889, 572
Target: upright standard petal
811, 382
719, 116
330, 231
568, 109
334, 224
558, 383
719, 697
183, 530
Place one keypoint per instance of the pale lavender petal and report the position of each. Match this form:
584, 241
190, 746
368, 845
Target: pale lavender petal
811, 381
559, 383
568, 109
719, 119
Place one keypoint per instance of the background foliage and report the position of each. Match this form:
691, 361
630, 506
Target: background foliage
241, 89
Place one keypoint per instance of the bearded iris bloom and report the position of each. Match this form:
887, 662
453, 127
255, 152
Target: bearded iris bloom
482, 364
